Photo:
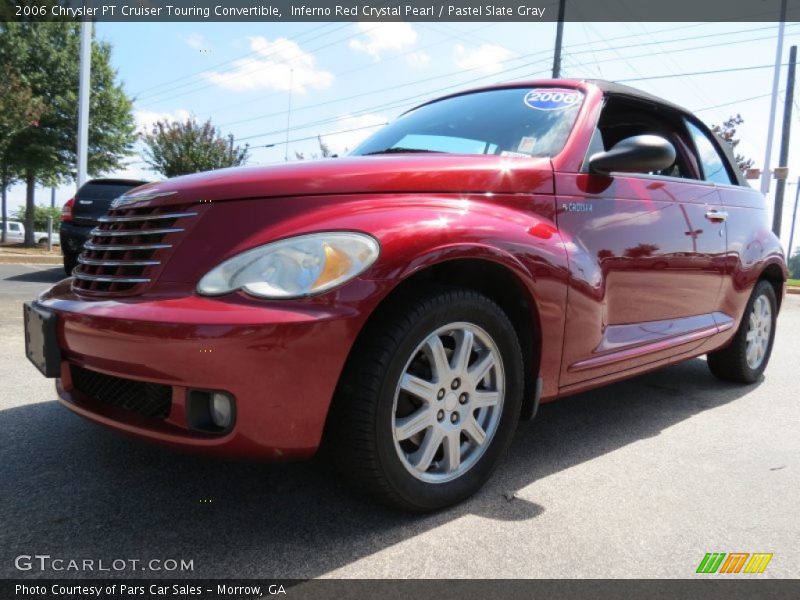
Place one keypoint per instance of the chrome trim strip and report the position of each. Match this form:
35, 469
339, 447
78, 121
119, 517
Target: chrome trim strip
113, 219
109, 278
117, 263
132, 232
123, 248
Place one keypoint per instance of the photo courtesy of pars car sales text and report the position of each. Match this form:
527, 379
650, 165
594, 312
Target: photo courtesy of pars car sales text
384, 299
151, 590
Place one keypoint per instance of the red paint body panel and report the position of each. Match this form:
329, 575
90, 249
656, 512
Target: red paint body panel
361, 175
622, 274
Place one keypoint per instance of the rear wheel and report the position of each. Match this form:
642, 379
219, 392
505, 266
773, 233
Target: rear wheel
746, 357
430, 401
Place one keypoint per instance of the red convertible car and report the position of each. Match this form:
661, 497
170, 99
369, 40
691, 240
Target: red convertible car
411, 302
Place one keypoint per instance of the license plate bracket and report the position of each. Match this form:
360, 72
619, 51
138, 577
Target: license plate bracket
41, 339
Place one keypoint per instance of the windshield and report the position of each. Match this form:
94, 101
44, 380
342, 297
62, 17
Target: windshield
505, 122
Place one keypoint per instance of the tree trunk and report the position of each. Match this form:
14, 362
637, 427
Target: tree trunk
30, 209
4, 185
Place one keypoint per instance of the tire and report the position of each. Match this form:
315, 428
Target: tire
733, 363
373, 413
70, 262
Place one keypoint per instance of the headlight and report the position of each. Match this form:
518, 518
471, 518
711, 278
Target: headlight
294, 267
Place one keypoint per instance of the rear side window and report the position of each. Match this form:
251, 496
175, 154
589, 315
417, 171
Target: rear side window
711, 161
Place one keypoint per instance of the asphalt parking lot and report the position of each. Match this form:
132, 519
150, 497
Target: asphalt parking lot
637, 479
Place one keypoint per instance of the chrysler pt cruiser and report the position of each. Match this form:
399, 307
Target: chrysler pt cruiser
411, 302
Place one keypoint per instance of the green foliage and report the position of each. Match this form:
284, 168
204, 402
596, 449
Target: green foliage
794, 265
180, 148
45, 55
727, 131
40, 214
19, 109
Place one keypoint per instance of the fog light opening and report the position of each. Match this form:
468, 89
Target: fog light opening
221, 410
210, 411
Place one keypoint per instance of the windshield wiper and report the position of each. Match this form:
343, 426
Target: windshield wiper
401, 150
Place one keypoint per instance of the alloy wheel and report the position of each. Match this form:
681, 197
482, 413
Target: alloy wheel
448, 402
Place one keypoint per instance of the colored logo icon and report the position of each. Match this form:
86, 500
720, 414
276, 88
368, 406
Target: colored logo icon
735, 562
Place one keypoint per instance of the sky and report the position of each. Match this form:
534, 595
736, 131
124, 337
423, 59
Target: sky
342, 80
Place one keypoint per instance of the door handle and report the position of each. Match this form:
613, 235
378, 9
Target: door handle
716, 215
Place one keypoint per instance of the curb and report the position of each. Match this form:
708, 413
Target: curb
30, 260
792, 289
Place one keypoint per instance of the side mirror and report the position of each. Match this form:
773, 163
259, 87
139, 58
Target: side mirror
637, 154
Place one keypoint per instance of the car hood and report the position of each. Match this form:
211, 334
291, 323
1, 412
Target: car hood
409, 173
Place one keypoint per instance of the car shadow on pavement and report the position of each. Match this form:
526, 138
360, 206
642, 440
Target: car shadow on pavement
71, 489
40, 276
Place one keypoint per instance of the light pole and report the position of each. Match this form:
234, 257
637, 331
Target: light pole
559, 37
84, 89
765, 174
794, 219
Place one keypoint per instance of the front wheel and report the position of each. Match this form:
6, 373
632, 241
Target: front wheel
430, 400
746, 357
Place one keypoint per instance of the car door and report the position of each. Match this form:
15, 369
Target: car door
644, 256
747, 228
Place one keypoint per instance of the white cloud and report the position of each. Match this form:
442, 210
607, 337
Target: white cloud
137, 170
339, 143
197, 41
487, 58
145, 119
278, 65
378, 38
419, 59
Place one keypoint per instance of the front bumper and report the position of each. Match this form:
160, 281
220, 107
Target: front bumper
281, 363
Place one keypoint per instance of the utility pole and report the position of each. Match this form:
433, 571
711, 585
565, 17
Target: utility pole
794, 219
559, 37
783, 160
83, 99
288, 116
765, 173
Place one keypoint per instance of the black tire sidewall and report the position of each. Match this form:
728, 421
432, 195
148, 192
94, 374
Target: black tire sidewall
477, 310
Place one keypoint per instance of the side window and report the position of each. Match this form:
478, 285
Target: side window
713, 164
13, 227
624, 117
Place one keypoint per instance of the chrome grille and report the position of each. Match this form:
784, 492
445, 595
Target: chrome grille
126, 248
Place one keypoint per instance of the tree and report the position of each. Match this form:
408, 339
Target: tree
179, 148
794, 265
324, 151
641, 250
47, 54
727, 131
18, 110
40, 214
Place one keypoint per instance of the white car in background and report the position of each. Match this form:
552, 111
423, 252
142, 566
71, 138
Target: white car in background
15, 234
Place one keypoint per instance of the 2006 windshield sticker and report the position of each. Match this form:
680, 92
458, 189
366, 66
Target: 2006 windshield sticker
552, 98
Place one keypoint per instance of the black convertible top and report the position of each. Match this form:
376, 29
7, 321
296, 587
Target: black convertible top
619, 89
